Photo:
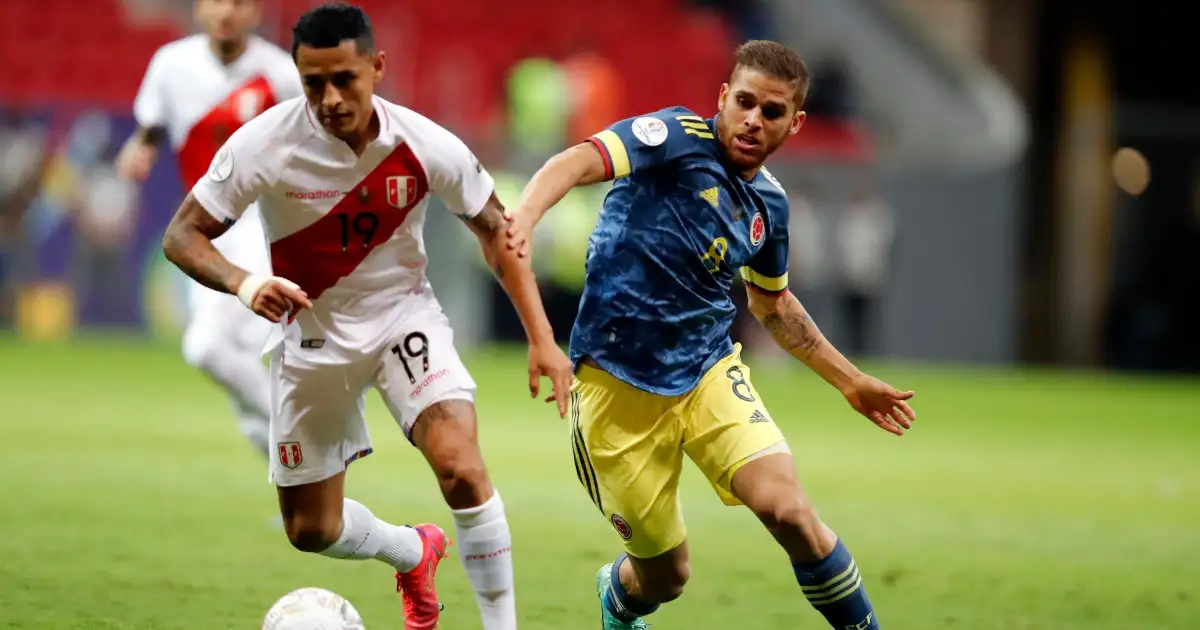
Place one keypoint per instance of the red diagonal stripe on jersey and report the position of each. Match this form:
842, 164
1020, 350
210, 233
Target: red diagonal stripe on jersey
207, 135
314, 257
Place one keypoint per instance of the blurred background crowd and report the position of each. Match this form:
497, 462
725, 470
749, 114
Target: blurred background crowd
952, 193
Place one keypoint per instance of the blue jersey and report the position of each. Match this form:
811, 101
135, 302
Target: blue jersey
676, 226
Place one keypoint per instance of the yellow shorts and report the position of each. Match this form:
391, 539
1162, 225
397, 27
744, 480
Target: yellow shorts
629, 446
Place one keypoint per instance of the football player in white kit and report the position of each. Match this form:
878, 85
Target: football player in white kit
197, 91
342, 180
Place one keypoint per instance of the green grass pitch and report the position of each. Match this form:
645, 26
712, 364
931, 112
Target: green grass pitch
1022, 500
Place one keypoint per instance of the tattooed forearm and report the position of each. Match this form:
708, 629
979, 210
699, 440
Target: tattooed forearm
188, 245
488, 225
513, 272
794, 330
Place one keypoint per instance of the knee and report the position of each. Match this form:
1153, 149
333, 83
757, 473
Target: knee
463, 478
794, 518
454, 456
312, 535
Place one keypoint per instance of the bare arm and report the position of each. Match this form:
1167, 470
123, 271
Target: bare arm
514, 273
188, 245
579, 165
794, 330
138, 155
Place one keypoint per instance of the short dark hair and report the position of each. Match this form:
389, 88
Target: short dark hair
776, 60
328, 25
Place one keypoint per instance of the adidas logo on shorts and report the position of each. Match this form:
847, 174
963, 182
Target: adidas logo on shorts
758, 416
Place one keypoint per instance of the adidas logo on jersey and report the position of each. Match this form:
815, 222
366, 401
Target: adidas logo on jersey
712, 196
758, 416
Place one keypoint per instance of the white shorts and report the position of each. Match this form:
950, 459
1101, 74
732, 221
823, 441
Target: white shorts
219, 317
318, 425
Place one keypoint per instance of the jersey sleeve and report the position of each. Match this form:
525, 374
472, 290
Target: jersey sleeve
644, 142
455, 174
151, 104
767, 271
285, 80
238, 174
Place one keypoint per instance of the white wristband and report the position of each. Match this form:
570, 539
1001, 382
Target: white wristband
250, 288
255, 283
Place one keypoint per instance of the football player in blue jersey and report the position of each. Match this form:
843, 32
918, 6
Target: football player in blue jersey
657, 376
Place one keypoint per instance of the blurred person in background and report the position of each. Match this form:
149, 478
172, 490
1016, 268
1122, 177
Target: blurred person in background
105, 214
538, 109
595, 91
24, 160
196, 92
865, 235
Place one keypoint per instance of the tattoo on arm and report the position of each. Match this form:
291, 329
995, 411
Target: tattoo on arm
792, 327
188, 244
488, 226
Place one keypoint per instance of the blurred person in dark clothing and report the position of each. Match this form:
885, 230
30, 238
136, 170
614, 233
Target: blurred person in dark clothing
865, 233
23, 162
105, 213
834, 94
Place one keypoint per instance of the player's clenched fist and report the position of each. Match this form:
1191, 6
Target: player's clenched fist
272, 297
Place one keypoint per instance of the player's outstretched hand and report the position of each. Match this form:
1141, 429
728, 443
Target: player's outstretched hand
549, 360
882, 404
273, 297
135, 161
520, 230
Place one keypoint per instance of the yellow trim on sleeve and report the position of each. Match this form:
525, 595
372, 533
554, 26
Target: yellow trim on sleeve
766, 283
616, 152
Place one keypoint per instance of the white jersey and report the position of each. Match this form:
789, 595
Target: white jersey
200, 101
347, 229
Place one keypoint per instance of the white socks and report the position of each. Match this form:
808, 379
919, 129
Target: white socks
485, 547
364, 536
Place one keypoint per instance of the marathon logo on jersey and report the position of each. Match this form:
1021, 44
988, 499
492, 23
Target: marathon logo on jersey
313, 195
290, 454
401, 191
758, 229
427, 381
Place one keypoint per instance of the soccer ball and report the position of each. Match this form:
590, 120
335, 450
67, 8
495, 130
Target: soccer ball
312, 609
